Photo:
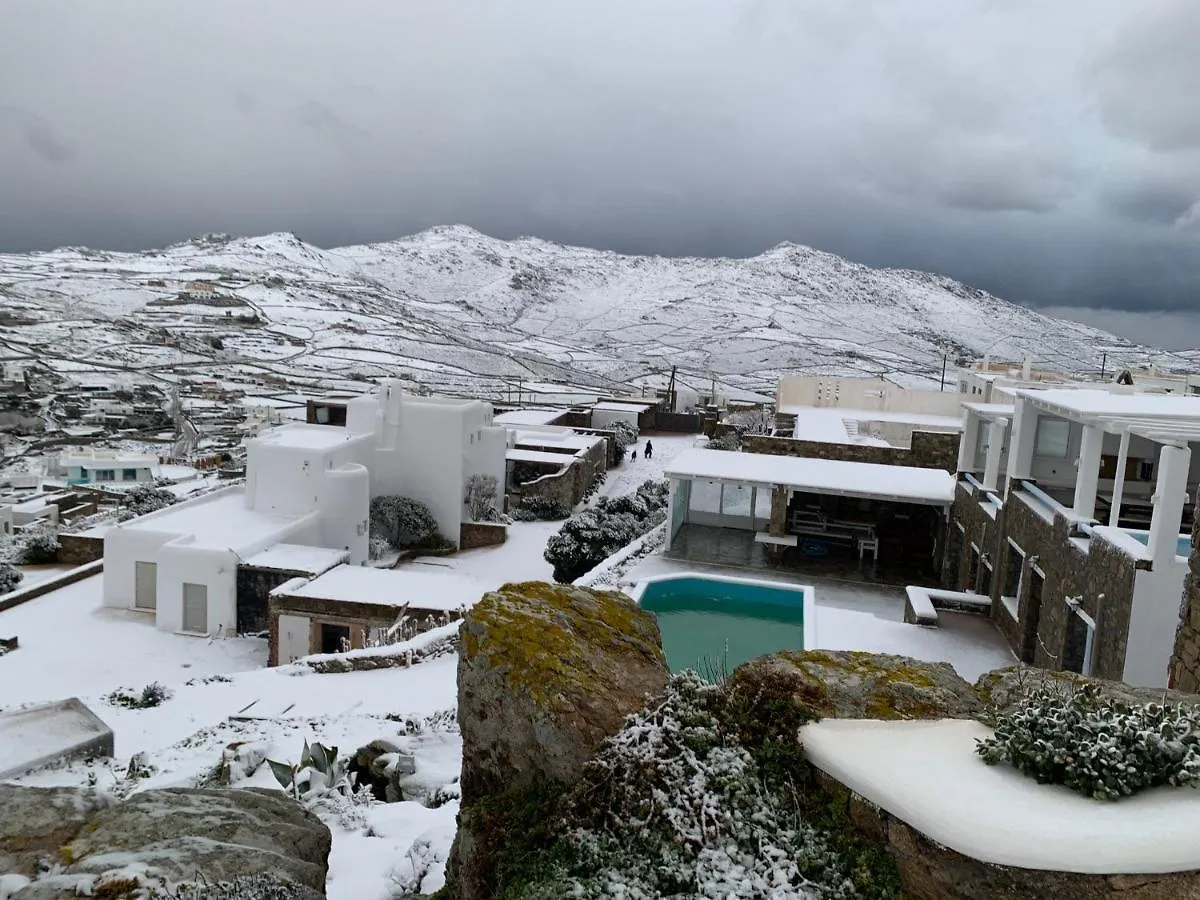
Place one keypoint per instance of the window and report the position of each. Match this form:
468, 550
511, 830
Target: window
1145, 470
129, 474
106, 475
981, 446
1012, 571
1053, 438
335, 638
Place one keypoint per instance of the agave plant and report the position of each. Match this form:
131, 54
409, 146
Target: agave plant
318, 772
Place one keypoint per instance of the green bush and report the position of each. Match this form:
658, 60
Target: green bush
404, 523
590, 537
153, 694
541, 509
10, 577
1098, 747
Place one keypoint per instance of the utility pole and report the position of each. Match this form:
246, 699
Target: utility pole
945, 359
1103, 363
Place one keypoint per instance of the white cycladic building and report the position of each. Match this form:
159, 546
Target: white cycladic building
309, 485
101, 466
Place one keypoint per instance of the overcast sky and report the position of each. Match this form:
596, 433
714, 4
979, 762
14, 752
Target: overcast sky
1046, 151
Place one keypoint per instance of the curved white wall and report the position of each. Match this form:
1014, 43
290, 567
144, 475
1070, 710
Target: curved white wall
345, 499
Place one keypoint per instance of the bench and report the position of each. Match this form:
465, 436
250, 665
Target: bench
921, 604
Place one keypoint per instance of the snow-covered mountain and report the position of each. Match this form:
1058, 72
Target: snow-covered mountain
457, 310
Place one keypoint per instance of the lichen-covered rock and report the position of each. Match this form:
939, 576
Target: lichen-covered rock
36, 822
854, 685
1003, 688
180, 835
546, 672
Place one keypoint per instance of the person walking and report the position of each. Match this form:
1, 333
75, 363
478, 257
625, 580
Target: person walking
649, 450
633, 456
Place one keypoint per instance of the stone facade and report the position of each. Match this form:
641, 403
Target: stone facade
472, 535
254, 586
78, 549
929, 450
1185, 659
567, 486
360, 617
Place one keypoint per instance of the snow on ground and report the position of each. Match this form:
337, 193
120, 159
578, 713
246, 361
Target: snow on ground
37, 574
517, 559
72, 645
629, 476
995, 814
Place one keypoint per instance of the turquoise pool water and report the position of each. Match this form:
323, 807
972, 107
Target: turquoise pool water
1184, 547
709, 623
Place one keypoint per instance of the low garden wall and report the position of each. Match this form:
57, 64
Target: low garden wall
473, 535
78, 549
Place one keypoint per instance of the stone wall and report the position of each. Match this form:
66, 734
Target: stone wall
929, 450
254, 586
472, 535
930, 871
77, 549
1070, 571
567, 486
1185, 660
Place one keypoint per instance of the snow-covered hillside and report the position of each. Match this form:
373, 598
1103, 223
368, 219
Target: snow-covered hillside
458, 311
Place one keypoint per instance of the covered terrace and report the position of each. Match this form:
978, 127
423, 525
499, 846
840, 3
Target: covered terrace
830, 517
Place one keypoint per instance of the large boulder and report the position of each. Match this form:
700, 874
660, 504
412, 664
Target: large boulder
35, 823
546, 672
179, 835
853, 685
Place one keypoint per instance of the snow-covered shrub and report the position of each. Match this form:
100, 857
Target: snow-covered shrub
591, 536
675, 805
1096, 746
10, 577
144, 499
730, 440
751, 421
153, 694
625, 435
323, 783
36, 547
404, 523
541, 509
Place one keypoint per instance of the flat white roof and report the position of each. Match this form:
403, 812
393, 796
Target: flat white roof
516, 454
827, 424
298, 558
527, 417
1103, 403
902, 484
393, 587
568, 440
141, 462
307, 437
222, 522
610, 406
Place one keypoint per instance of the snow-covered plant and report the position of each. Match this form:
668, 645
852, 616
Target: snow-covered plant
625, 435
751, 421
144, 499
730, 440
674, 805
541, 509
591, 536
36, 547
403, 522
482, 493
318, 772
10, 577
1097, 746
153, 694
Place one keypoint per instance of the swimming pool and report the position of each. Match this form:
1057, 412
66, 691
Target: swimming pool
714, 621
1182, 548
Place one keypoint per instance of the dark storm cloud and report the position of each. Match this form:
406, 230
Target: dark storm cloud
1044, 151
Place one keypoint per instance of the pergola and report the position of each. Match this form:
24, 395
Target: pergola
751, 475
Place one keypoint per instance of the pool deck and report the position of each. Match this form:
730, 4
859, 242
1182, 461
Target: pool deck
864, 616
